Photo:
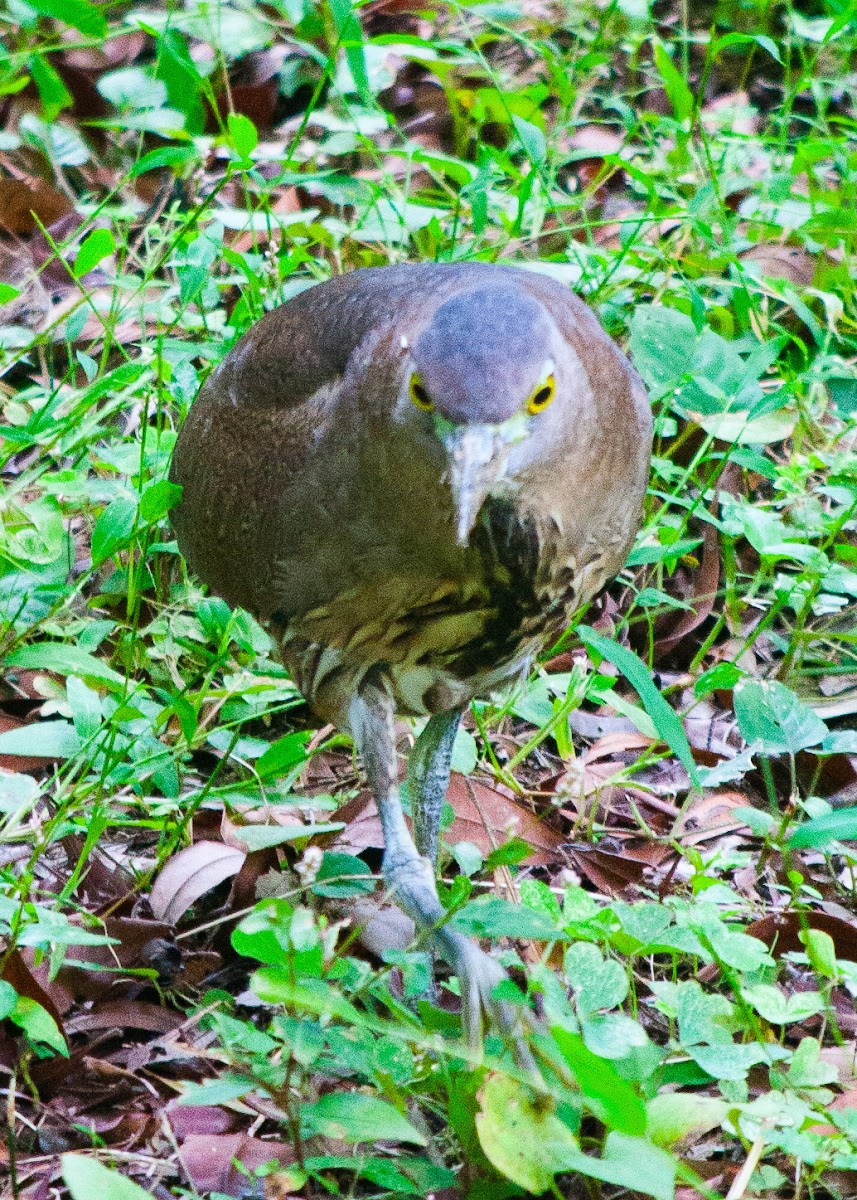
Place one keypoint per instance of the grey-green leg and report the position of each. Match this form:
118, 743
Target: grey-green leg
428, 779
411, 878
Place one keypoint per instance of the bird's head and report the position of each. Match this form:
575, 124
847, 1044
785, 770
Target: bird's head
483, 374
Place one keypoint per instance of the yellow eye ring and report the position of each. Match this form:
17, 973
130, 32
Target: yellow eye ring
542, 396
419, 396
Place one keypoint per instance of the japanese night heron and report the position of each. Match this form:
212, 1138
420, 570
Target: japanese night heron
415, 474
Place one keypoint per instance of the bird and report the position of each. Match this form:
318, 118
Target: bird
415, 474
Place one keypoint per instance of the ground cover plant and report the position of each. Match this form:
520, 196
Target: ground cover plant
202, 992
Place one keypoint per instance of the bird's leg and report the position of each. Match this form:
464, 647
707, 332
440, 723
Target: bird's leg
411, 880
428, 779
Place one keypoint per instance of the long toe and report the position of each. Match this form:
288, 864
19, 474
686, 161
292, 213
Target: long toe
478, 975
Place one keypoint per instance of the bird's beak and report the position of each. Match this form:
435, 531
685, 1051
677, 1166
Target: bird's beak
476, 457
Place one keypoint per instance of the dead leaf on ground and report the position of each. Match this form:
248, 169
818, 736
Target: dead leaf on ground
488, 817
701, 597
22, 978
620, 871
127, 1014
779, 932
21, 198
190, 874
208, 1160
711, 815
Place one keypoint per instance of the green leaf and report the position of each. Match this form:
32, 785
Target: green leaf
494, 917
243, 135
521, 1134
838, 826
99, 245
532, 139
41, 739
771, 716
340, 868
283, 754
700, 1014
611, 1098
807, 1068
663, 344
734, 39
722, 676
175, 157
219, 1091
7, 292
53, 93
654, 554
86, 1178
8, 999
632, 1163
680, 95
113, 528
673, 1116
821, 952
355, 1117
779, 1009
539, 897
597, 982
731, 1060
158, 499
262, 837
85, 705
133, 88
79, 14
38, 1024
184, 83
63, 659
665, 719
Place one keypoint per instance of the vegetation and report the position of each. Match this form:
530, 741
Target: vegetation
199, 993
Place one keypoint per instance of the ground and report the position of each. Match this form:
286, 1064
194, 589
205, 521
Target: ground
657, 833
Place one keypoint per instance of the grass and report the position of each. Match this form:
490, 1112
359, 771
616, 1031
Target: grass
683, 762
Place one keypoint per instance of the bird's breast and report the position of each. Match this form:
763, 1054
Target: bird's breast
440, 639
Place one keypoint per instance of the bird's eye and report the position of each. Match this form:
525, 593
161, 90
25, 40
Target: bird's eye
542, 396
420, 396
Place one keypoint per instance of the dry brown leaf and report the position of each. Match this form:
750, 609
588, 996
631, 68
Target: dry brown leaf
127, 1014
779, 932
487, 817
21, 198
208, 1160
23, 979
189, 875
711, 816
702, 597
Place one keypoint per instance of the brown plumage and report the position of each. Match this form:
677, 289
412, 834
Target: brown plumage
415, 474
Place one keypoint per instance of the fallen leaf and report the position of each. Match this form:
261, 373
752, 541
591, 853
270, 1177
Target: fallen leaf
189, 875
487, 817
208, 1160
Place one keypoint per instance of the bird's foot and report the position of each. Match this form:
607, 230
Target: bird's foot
479, 975
411, 881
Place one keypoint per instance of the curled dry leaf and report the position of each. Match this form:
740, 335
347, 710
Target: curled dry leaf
703, 592
127, 1014
199, 1119
189, 875
209, 1160
620, 871
779, 932
17, 972
20, 199
711, 816
487, 816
